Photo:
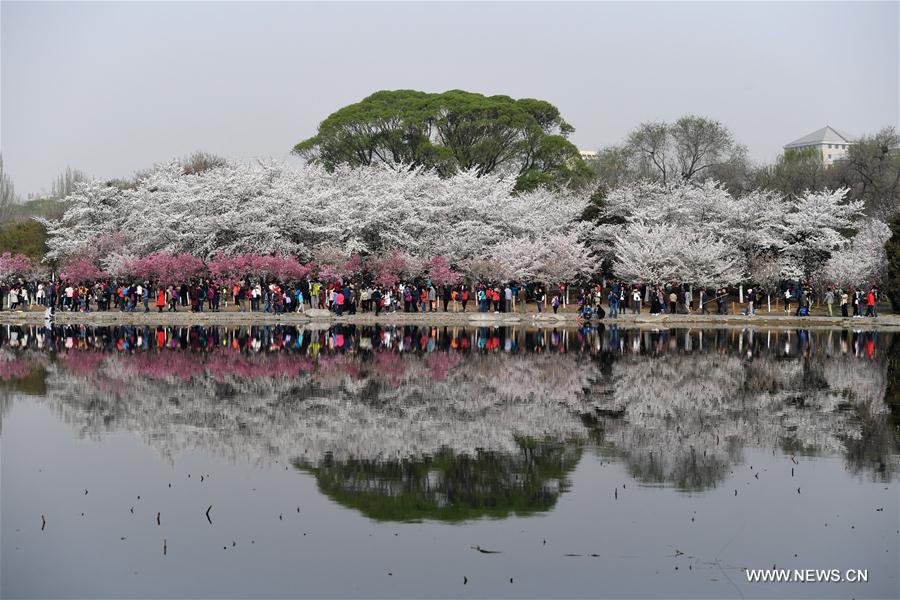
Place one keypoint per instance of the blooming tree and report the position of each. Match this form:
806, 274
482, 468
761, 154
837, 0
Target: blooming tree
389, 268
271, 220
643, 253
227, 270
165, 268
661, 253
439, 272
82, 270
686, 231
13, 265
862, 259
812, 230
271, 209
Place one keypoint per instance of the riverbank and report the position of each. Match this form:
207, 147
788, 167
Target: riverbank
324, 318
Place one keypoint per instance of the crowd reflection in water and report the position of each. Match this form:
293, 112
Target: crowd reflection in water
416, 339
452, 422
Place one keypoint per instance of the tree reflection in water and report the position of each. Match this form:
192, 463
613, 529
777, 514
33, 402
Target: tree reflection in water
448, 486
453, 423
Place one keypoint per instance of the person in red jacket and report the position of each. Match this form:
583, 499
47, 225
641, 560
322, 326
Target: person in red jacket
870, 303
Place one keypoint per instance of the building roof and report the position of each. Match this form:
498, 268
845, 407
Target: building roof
826, 135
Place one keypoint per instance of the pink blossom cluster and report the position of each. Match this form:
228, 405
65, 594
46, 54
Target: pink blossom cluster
82, 270
165, 268
230, 269
12, 265
386, 269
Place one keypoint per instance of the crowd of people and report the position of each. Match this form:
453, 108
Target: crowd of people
350, 298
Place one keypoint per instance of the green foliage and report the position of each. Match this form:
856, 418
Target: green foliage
799, 155
24, 237
893, 255
21, 234
451, 487
451, 131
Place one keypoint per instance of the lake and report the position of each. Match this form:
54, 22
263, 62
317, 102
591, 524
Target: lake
273, 461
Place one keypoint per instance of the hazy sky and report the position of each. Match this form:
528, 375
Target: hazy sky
110, 88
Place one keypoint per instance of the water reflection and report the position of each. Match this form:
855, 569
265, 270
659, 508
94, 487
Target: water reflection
407, 423
449, 486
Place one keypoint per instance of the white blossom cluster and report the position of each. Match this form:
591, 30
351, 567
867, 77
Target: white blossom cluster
308, 212
701, 233
652, 232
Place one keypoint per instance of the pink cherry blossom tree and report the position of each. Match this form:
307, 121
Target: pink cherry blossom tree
167, 269
438, 270
14, 265
82, 270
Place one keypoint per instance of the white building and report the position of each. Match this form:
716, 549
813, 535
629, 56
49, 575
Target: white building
587, 154
830, 142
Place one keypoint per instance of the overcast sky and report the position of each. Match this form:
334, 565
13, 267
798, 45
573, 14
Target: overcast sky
110, 88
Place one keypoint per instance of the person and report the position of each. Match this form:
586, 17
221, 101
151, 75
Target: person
70, 295
507, 298
787, 299
614, 304
314, 295
407, 298
539, 298
586, 313
751, 298
636, 301
829, 300
721, 304
688, 301
870, 303
673, 301
845, 300
656, 303
160, 298
375, 297
801, 304
464, 295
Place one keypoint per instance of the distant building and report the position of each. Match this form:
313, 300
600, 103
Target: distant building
588, 154
831, 143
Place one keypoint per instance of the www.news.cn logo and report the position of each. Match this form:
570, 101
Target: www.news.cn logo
807, 575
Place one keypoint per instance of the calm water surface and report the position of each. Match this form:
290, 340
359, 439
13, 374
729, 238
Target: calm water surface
449, 462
